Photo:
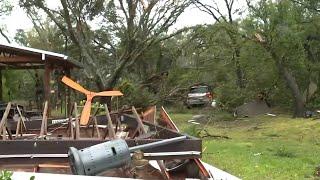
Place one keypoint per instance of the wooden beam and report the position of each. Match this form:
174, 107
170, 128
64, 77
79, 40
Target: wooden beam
111, 133
1, 97
68, 105
46, 83
44, 127
20, 59
21, 67
140, 124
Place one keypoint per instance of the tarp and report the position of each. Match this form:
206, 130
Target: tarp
251, 109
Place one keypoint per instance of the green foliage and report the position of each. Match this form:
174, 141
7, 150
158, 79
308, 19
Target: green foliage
134, 95
229, 96
19, 85
5, 175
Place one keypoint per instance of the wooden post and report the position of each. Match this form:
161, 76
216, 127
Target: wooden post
68, 105
18, 127
1, 97
77, 123
46, 83
71, 127
4, 121
43, 130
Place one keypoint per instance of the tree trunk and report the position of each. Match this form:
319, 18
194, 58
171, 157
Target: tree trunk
299, 103
239, 71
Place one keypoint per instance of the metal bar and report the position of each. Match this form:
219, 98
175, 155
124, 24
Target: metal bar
33, 156
156, 144
159, 154
182, 153
62, 146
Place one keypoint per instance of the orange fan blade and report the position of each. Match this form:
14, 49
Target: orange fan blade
86, 111
109, 93
69, 82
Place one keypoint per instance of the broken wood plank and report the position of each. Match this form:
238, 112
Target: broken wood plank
111, 133
18, 127
96, 127
140, 124
43, 130
22, 118
164, 173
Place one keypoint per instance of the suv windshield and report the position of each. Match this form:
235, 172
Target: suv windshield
199, 89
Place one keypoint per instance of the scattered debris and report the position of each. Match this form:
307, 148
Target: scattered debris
42, 145
257, 154
269, 114
204, 133
252, 109
195, 123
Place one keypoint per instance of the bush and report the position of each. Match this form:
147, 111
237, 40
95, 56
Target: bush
5, 175
229, 97
135, 96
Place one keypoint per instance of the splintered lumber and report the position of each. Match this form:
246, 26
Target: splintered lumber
95, 121
140, 124
3, 122
165, 116
22, 117
164, 173
167, 120
20, 121
111, 133
150, 114
43, 130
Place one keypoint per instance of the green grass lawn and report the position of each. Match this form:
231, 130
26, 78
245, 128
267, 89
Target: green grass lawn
259, 148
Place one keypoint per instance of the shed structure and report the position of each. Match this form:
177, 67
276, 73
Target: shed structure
18, 57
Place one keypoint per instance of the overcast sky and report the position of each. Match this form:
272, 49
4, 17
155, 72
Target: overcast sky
191, 16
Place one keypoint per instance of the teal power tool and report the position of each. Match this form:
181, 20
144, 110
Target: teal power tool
108, 155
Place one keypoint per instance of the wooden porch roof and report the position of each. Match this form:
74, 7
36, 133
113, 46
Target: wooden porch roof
19, 57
